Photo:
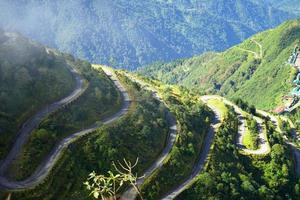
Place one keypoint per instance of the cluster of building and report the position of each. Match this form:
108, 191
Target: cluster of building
295, 61
290, 101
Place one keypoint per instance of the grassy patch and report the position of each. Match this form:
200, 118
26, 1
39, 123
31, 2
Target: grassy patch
219, 105
249, 140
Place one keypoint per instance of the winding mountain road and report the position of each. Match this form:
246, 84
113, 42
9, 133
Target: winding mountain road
131, 193
261, 52
46, 166
264, 146
35, 120
256, 55
296, 150
48, 163
263, 149
203, 154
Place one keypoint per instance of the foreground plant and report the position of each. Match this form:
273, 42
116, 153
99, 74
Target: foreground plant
108, 186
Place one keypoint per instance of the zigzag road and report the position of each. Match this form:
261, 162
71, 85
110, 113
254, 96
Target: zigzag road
296, 136
34, 121
203, 155
131, 194
45, 167
264, 147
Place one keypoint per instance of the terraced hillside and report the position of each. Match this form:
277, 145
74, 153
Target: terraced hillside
254, 70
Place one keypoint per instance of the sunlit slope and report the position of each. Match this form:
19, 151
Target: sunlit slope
254, 70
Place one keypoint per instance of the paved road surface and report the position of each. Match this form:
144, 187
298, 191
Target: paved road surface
45, 167
264, 146
202, 158
296, 151
33, 122
131, 194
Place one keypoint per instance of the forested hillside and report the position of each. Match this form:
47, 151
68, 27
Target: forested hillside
49, 99
203, 160
30, 77
254, 70
193, 119
133, 33
141, 133
231, 175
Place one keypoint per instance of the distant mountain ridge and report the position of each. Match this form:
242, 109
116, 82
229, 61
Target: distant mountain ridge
257, 75
133, 33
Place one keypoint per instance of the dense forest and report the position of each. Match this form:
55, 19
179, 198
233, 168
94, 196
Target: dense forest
133, 33
292, 6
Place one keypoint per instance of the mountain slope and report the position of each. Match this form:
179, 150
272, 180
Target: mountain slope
239, 71
35, 82
144, 128
30, 77
133, 33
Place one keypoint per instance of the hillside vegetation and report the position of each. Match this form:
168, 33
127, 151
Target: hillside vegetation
141, 133
231, 175
193, 120
243, 71
101, 99
133, 33
29, 79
